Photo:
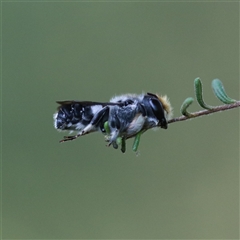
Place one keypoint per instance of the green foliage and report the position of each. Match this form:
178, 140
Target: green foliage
218, 90
199, 94
187, 102
136, 141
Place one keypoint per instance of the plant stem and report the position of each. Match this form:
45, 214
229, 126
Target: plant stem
206, 112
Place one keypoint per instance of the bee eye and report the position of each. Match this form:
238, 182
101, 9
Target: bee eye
157, 108
158, 111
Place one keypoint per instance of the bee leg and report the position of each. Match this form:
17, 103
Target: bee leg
122, 142
117, 142
69, 138
108, 137
96, 120
114, 139
115, 145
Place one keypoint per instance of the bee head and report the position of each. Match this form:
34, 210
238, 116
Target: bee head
161, 108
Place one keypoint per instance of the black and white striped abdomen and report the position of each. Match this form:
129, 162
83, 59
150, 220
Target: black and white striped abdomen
73, 115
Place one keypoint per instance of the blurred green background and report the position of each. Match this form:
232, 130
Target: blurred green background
184, 183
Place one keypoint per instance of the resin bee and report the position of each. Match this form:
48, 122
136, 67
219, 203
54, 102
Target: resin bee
124, 117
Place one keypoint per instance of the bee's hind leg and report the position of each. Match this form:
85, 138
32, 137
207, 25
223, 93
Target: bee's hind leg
69, 138
95, 121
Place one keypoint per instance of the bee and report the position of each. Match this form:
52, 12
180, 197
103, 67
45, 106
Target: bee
121, 118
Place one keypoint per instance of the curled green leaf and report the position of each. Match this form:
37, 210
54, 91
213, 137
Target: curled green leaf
119, 141
106, 127
136, 142
199, 94
220, 92
185, 105
123, 147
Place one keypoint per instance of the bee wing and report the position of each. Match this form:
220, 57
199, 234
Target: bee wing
83, 103
86, 103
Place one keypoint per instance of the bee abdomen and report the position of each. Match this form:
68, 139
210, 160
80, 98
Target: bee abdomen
72, 116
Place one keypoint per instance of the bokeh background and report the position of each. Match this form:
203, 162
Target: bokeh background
184, 181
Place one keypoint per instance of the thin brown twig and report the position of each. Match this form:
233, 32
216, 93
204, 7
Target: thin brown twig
206, 112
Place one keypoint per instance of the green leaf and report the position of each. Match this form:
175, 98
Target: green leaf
123, 148
136, 142
119, 141
220, 92
199, 93
185, 105
106, 127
